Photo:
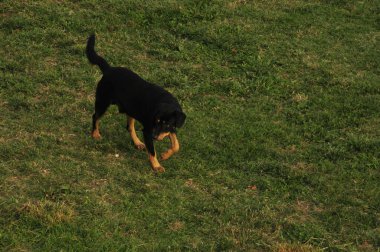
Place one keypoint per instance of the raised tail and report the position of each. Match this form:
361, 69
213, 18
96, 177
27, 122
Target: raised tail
93, 57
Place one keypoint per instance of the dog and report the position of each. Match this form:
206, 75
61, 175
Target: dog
155, 108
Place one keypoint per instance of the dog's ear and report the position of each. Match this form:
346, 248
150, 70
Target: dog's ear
179, 119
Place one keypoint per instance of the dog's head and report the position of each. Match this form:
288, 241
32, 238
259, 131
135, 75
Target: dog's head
166, 120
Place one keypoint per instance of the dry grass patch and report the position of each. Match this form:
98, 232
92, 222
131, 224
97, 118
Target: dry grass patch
48, 212
300, 97
295, 248
176, 225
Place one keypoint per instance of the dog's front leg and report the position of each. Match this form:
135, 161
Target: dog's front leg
174, 147
131, 128
151, 152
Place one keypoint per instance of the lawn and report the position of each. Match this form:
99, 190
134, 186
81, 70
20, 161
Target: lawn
280, 150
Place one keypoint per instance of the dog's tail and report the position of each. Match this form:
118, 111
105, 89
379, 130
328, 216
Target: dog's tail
93, 57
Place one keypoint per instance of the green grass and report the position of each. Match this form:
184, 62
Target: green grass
280, 95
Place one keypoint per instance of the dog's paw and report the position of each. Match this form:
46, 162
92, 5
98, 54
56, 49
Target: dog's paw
166, 155
96, 135
159, 169
140, 146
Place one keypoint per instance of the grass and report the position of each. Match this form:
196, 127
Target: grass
280, 150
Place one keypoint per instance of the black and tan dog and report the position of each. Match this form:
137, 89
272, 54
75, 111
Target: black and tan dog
155, 108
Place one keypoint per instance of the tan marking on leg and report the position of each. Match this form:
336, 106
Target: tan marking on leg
174, 147
95, 133
155, 164
131, 128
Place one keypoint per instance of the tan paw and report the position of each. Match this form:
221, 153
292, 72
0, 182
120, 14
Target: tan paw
159, 169
96, 135
166, 155
140, 146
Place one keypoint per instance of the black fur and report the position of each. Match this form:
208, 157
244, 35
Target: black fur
154, 107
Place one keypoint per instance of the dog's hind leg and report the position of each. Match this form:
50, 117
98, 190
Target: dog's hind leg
131, 128
174, 147
100, 108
